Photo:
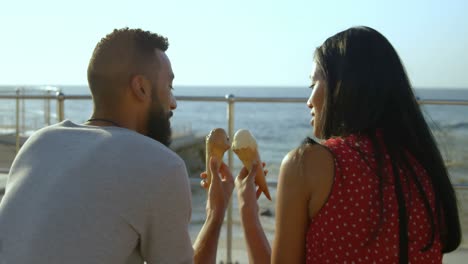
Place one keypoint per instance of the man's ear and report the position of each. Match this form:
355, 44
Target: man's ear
140, 87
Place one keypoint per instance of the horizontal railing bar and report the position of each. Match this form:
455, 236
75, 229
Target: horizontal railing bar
77, 97
270, 100
242, 99
444, 102
223, 99
29, 97
43, 97
202, 98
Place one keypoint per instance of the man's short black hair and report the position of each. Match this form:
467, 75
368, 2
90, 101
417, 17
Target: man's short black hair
120, 55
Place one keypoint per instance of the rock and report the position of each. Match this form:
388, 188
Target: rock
266, 212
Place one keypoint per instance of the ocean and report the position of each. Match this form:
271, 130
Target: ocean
278, 127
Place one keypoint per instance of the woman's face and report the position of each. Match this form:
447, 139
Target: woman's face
316, 99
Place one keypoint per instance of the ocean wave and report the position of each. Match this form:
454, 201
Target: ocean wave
455, 164
458, 125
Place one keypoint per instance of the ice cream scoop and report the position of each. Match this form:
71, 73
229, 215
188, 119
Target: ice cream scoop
217, 142
245, 147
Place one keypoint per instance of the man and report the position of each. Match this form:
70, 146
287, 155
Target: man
105, 191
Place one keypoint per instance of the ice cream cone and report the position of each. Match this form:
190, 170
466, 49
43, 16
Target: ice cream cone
245, 147
217, 142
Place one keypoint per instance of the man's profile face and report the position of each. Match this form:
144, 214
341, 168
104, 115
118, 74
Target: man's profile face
163, 102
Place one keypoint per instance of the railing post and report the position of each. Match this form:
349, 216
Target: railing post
47, 108
230, 116
17, 120
60, 106
23, 112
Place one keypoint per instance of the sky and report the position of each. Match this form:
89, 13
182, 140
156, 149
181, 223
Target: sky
238, 43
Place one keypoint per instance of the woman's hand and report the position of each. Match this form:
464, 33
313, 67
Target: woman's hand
258, 246
247, 191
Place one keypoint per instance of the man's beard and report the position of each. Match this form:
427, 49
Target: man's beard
159, 126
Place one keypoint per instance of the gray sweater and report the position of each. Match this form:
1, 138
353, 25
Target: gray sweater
85, 194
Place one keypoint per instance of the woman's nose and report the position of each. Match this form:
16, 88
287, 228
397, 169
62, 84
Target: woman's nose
309, 103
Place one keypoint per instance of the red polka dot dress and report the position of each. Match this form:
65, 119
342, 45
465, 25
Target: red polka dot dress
343, 230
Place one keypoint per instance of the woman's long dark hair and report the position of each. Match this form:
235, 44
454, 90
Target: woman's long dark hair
368, 90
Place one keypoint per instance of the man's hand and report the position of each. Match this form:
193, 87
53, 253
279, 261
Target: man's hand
219, 193
220, 189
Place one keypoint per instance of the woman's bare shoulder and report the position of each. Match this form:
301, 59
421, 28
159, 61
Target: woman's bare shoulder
307, 174
309, 163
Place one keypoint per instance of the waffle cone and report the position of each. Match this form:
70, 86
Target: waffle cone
217, 143
248, 156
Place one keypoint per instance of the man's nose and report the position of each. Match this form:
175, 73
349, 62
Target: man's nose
173, 104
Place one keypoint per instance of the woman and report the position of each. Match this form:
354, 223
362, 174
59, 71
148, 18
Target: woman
376, 188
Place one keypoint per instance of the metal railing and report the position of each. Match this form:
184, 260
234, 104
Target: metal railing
230, 99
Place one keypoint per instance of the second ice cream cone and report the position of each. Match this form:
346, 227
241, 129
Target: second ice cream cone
217, 142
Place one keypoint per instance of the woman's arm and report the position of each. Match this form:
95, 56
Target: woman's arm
304, 182
258, 246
